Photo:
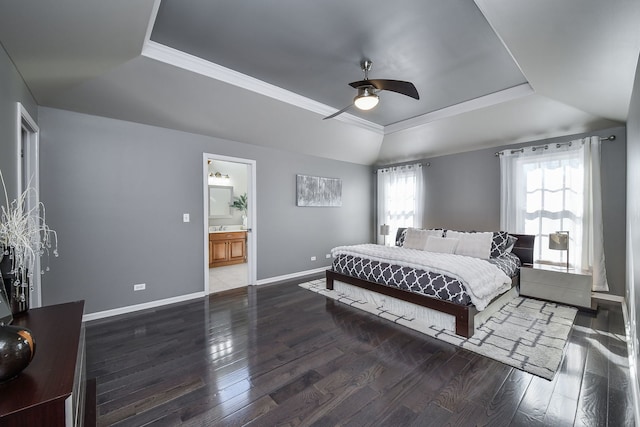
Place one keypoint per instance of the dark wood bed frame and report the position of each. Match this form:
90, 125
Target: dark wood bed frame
464, 315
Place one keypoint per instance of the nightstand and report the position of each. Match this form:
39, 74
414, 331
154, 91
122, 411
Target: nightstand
556, 284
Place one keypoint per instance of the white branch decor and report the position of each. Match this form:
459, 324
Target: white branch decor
24, 236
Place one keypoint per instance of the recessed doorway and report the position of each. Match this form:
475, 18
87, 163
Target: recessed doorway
229, 225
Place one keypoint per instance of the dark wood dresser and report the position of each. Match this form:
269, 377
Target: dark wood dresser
51, 390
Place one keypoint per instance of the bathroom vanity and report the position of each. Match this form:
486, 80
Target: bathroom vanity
227, 248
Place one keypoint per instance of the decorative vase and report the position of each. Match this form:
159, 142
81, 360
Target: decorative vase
17, 348
16, 282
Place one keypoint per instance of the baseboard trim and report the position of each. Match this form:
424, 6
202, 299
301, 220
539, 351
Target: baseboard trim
633, 368
607, 297
291, 276
159, 303
132, 308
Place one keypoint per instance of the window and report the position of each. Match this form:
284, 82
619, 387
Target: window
553, 200
399, 198
556, 188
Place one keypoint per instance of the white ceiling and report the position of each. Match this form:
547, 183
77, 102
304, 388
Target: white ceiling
576, 62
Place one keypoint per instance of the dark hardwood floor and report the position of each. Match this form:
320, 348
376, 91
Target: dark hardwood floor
281, 355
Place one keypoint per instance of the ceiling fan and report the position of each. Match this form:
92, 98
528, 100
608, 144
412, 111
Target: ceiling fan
367, 96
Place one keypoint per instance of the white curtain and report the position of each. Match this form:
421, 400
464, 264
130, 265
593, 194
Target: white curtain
556, 187
400, 199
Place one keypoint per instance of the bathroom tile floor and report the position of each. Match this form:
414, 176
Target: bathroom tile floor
228, 277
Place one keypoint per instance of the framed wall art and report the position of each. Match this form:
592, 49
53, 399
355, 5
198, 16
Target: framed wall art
318, 191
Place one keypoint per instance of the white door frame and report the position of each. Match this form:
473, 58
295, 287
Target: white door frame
251, 214
28, 154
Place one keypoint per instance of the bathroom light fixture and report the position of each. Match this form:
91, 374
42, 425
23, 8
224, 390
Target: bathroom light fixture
366, 98
219, 175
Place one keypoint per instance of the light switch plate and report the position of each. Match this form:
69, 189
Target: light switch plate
185, 217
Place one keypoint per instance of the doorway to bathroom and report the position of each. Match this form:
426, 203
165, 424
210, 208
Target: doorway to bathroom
229, 222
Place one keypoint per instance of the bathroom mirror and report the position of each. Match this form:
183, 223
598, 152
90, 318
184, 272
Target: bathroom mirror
220, 199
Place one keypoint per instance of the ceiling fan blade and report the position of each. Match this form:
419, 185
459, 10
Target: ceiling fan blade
399, 86
338, 112
360, 83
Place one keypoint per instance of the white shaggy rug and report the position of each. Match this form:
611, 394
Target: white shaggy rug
525, 333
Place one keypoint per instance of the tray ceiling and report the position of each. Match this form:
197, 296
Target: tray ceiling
489, 72
313, 49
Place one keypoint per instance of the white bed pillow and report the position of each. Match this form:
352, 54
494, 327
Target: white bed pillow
445, 245
477, 245
417, 239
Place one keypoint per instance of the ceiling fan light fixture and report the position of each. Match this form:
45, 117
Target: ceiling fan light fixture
366, 99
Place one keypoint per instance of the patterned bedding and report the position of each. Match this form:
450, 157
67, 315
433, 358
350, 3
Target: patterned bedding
404, 276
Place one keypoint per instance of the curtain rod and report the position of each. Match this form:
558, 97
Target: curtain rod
545, 146
402, 165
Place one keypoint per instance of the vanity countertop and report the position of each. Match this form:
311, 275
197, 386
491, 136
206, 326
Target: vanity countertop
227, 230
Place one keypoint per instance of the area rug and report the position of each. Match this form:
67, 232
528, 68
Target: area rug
528, 334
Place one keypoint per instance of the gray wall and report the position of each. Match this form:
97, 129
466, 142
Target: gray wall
12, 90
633, 215
115, 192
463, 193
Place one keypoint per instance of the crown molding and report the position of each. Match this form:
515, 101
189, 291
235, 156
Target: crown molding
168, 55
177, 58
152, 20
495, 98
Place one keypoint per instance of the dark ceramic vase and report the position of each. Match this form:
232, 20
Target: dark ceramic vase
17, 347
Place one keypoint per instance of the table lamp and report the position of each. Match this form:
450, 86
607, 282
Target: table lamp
384, 231
559, 241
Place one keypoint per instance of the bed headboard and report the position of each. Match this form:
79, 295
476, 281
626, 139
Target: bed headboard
523, 247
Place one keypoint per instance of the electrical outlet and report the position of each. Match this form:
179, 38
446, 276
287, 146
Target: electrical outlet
313, 258
327, 256
140, 287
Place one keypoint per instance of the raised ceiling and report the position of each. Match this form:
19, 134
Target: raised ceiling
489, 72
447, 49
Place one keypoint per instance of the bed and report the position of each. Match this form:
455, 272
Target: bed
383, 276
